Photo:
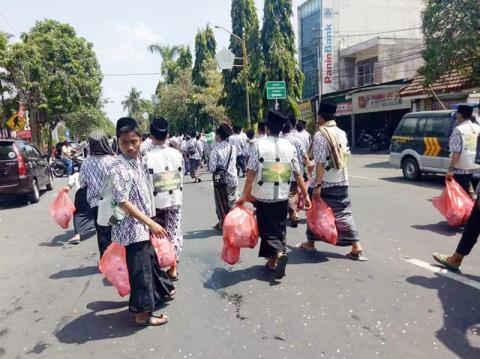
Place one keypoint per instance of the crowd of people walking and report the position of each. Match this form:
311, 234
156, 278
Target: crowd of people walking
280, 163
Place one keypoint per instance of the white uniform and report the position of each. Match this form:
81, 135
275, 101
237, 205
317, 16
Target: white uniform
470, 132
165, 166
277, 157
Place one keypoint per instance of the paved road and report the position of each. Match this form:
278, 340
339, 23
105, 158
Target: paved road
54, 303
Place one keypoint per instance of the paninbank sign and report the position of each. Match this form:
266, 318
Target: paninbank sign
328, 73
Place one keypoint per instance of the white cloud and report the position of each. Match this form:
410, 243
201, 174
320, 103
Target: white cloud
125, 52
139, 32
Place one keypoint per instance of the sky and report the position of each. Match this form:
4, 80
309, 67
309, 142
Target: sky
122, 30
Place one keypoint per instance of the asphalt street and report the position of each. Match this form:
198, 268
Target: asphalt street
55, 304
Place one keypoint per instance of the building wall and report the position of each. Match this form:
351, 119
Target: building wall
356, 21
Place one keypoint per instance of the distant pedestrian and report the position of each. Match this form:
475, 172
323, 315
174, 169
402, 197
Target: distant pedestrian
463, 148
195, 153
304, 135
237, 140
223, 167
330, 152
262, 132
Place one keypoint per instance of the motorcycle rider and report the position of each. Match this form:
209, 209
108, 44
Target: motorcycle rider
66, 157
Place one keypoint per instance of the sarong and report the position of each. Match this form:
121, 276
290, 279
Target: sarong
171, 219
150, 285
225, 198
83, 218
339, 200
194, 167
272, 226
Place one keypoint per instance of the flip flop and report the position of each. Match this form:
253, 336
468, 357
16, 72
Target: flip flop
281, 266
443, 260
149, 322
357, 257
303, 248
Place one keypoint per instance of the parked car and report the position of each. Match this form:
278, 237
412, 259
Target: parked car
23, 170
420, 143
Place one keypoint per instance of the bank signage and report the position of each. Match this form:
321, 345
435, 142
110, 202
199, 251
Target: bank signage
328, 77
379, 100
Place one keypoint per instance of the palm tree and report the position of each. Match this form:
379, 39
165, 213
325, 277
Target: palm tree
132, 102
168, 54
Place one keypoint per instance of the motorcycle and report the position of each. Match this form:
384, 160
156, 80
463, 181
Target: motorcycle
364, 139
59, 169
380, 140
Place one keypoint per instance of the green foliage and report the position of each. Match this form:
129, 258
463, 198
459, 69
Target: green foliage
52, 72
205, 48
244, 23
176, 102
132, 101
278, 44
208, 97
185, 60
169, 55
451, 30
85, 119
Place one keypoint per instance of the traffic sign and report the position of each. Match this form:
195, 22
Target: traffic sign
225, 59
276, 90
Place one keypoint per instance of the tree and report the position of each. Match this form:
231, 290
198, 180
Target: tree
53, 72
205, 48
132, 101
451, 30
169, 55
176, 102
184, 60
85, 119
278, 44
208, 97
244, 23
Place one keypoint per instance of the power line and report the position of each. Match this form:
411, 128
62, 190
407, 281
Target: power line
8, 23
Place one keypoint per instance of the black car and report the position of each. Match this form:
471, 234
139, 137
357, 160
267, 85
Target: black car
23, 170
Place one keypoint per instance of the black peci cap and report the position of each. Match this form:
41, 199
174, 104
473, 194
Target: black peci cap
327, 109
224, 130
159, 127
126, 122
276, 118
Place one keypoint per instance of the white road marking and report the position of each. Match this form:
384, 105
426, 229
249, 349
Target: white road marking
444, 272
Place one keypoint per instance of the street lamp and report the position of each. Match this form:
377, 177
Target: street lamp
244, 65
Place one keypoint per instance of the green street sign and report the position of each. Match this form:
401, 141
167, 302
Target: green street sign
276, 90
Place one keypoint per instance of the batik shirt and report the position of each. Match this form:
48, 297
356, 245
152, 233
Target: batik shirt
196, 146
254, 164
219, 157
294, 139
321, 153
93, 173
456, 146
128, 185
305, 138
238, 142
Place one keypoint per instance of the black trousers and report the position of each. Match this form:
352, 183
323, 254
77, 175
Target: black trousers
83, 218
272, 226
104, 234
150, 285
471, 232
465, 181
241, 165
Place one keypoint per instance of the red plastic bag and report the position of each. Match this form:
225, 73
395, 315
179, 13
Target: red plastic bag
164, 251
240, 228
321, 222
301, 198
113, 265
230, 254
62, 209
454, 204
